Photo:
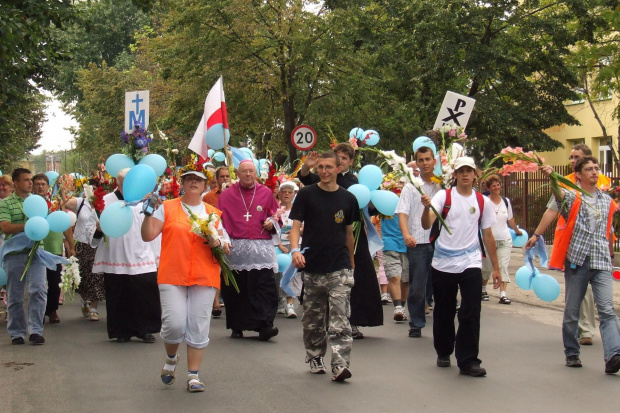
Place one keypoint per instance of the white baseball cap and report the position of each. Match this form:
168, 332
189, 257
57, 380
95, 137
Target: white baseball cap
464, 161
200, 174
289, 184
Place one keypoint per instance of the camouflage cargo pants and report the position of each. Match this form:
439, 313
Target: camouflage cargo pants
327, 295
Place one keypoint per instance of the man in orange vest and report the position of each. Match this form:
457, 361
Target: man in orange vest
586, 314
587, 260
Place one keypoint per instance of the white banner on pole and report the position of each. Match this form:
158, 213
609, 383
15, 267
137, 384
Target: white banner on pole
455, 110
136, 109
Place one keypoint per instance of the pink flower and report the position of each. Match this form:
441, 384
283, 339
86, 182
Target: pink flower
462, 136
353, 142
452, 133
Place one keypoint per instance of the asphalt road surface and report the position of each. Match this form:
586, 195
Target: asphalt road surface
80, 370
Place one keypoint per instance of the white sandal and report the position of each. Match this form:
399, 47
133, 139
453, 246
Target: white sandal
194, 385
167, 376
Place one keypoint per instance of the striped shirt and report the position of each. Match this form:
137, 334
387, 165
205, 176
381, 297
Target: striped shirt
410, 204
12, 210
590, 232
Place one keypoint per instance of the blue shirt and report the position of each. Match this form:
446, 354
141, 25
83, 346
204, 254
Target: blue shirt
392, 236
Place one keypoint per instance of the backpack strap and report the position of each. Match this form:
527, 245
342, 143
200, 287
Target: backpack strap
480, 199
505, 202
448, 204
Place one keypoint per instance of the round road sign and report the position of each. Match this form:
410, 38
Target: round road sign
303, 137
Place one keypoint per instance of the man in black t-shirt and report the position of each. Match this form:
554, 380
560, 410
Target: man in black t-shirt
328, 212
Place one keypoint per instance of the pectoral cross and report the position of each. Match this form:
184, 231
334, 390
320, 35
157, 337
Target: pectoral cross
247, 216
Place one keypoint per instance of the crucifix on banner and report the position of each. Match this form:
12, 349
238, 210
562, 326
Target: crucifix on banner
455, 110
136, 109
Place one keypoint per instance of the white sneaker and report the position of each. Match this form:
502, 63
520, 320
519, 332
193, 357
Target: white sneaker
290, 311
399, 313
386, 298
281, 308
317, 366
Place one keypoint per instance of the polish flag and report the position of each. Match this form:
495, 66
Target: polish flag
214, 119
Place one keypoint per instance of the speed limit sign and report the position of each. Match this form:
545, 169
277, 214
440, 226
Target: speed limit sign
303, 137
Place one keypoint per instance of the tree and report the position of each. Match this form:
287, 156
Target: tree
27, 53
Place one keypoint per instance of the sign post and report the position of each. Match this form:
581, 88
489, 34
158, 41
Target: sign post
455, 110
136, 109
303, 137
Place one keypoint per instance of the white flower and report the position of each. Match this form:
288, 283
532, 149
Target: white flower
457, 151
88, 191
162, 135
417, 182
175, 151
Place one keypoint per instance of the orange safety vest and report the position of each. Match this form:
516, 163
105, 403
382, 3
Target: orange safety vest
564, 232
186, 258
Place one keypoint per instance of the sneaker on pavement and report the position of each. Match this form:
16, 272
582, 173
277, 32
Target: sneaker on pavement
585, 341
485, 296
85, 308
281, 307
36, 339
386, 298
504, 300
17, 340
290, 311
341, 373
399, 313
474, 371
613, 365
573, 361
317, 366
356, 334
415, 333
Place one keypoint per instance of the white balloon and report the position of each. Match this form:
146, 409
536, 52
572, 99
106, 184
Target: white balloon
72, 216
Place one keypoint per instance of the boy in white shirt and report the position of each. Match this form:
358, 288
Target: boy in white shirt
457, 264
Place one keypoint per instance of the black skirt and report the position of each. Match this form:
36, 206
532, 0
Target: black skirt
366, 307
132, 305
255, 306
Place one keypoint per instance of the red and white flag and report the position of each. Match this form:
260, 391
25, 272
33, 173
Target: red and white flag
214, 120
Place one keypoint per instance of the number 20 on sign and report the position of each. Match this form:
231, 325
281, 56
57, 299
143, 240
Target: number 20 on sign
303, 137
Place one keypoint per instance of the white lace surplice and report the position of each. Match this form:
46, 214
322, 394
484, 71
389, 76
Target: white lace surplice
252, 254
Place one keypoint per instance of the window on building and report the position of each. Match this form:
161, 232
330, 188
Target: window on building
605, 159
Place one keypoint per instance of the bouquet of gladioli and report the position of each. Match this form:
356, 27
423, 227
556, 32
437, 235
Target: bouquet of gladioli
405, 174
207, 228
516, 160
70, 277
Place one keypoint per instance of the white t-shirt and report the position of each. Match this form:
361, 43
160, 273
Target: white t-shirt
463, 223
502, 215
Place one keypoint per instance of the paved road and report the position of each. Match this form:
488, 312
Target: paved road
79, 370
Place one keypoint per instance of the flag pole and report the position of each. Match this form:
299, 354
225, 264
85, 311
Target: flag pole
227, 151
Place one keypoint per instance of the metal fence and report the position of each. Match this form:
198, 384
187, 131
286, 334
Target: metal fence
530, 193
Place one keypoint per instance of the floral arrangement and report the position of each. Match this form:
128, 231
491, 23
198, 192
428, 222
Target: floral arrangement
516, 160
392, 184
450, 140
170, 188
207, 228
95, 198
136, 143
70, 277
614, 192
403, 173
268, 174
195, 165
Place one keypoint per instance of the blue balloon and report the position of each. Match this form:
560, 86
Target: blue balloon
356, 133
157, 162
371, 137
256, 164
279, 251
371, 176
261, 163
248, 152
116, 162
35, 206
424, 141
384, 201
116, 219
59, 221
362, 193
219, 156
238, 155
215, 136
210, 153
284, 260
2, 275
36, 228
139, 181
546, 287
52, 176
520, 240
438, 171
523, 277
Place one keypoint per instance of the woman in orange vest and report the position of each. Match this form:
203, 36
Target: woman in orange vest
188, 275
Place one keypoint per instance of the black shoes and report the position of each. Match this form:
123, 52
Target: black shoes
356, 334
573, 361
36, 339
147, 338
443, 362
17, 340
266, 333
415, 333
474, 371
123, 339
237, 334
613, 365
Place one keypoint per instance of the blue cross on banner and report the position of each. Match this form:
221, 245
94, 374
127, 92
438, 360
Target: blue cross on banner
136, 109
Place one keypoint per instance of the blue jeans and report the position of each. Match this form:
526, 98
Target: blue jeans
420, 258
37, 290
576, 283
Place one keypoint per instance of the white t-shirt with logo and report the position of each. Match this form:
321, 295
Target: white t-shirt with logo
462, 219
